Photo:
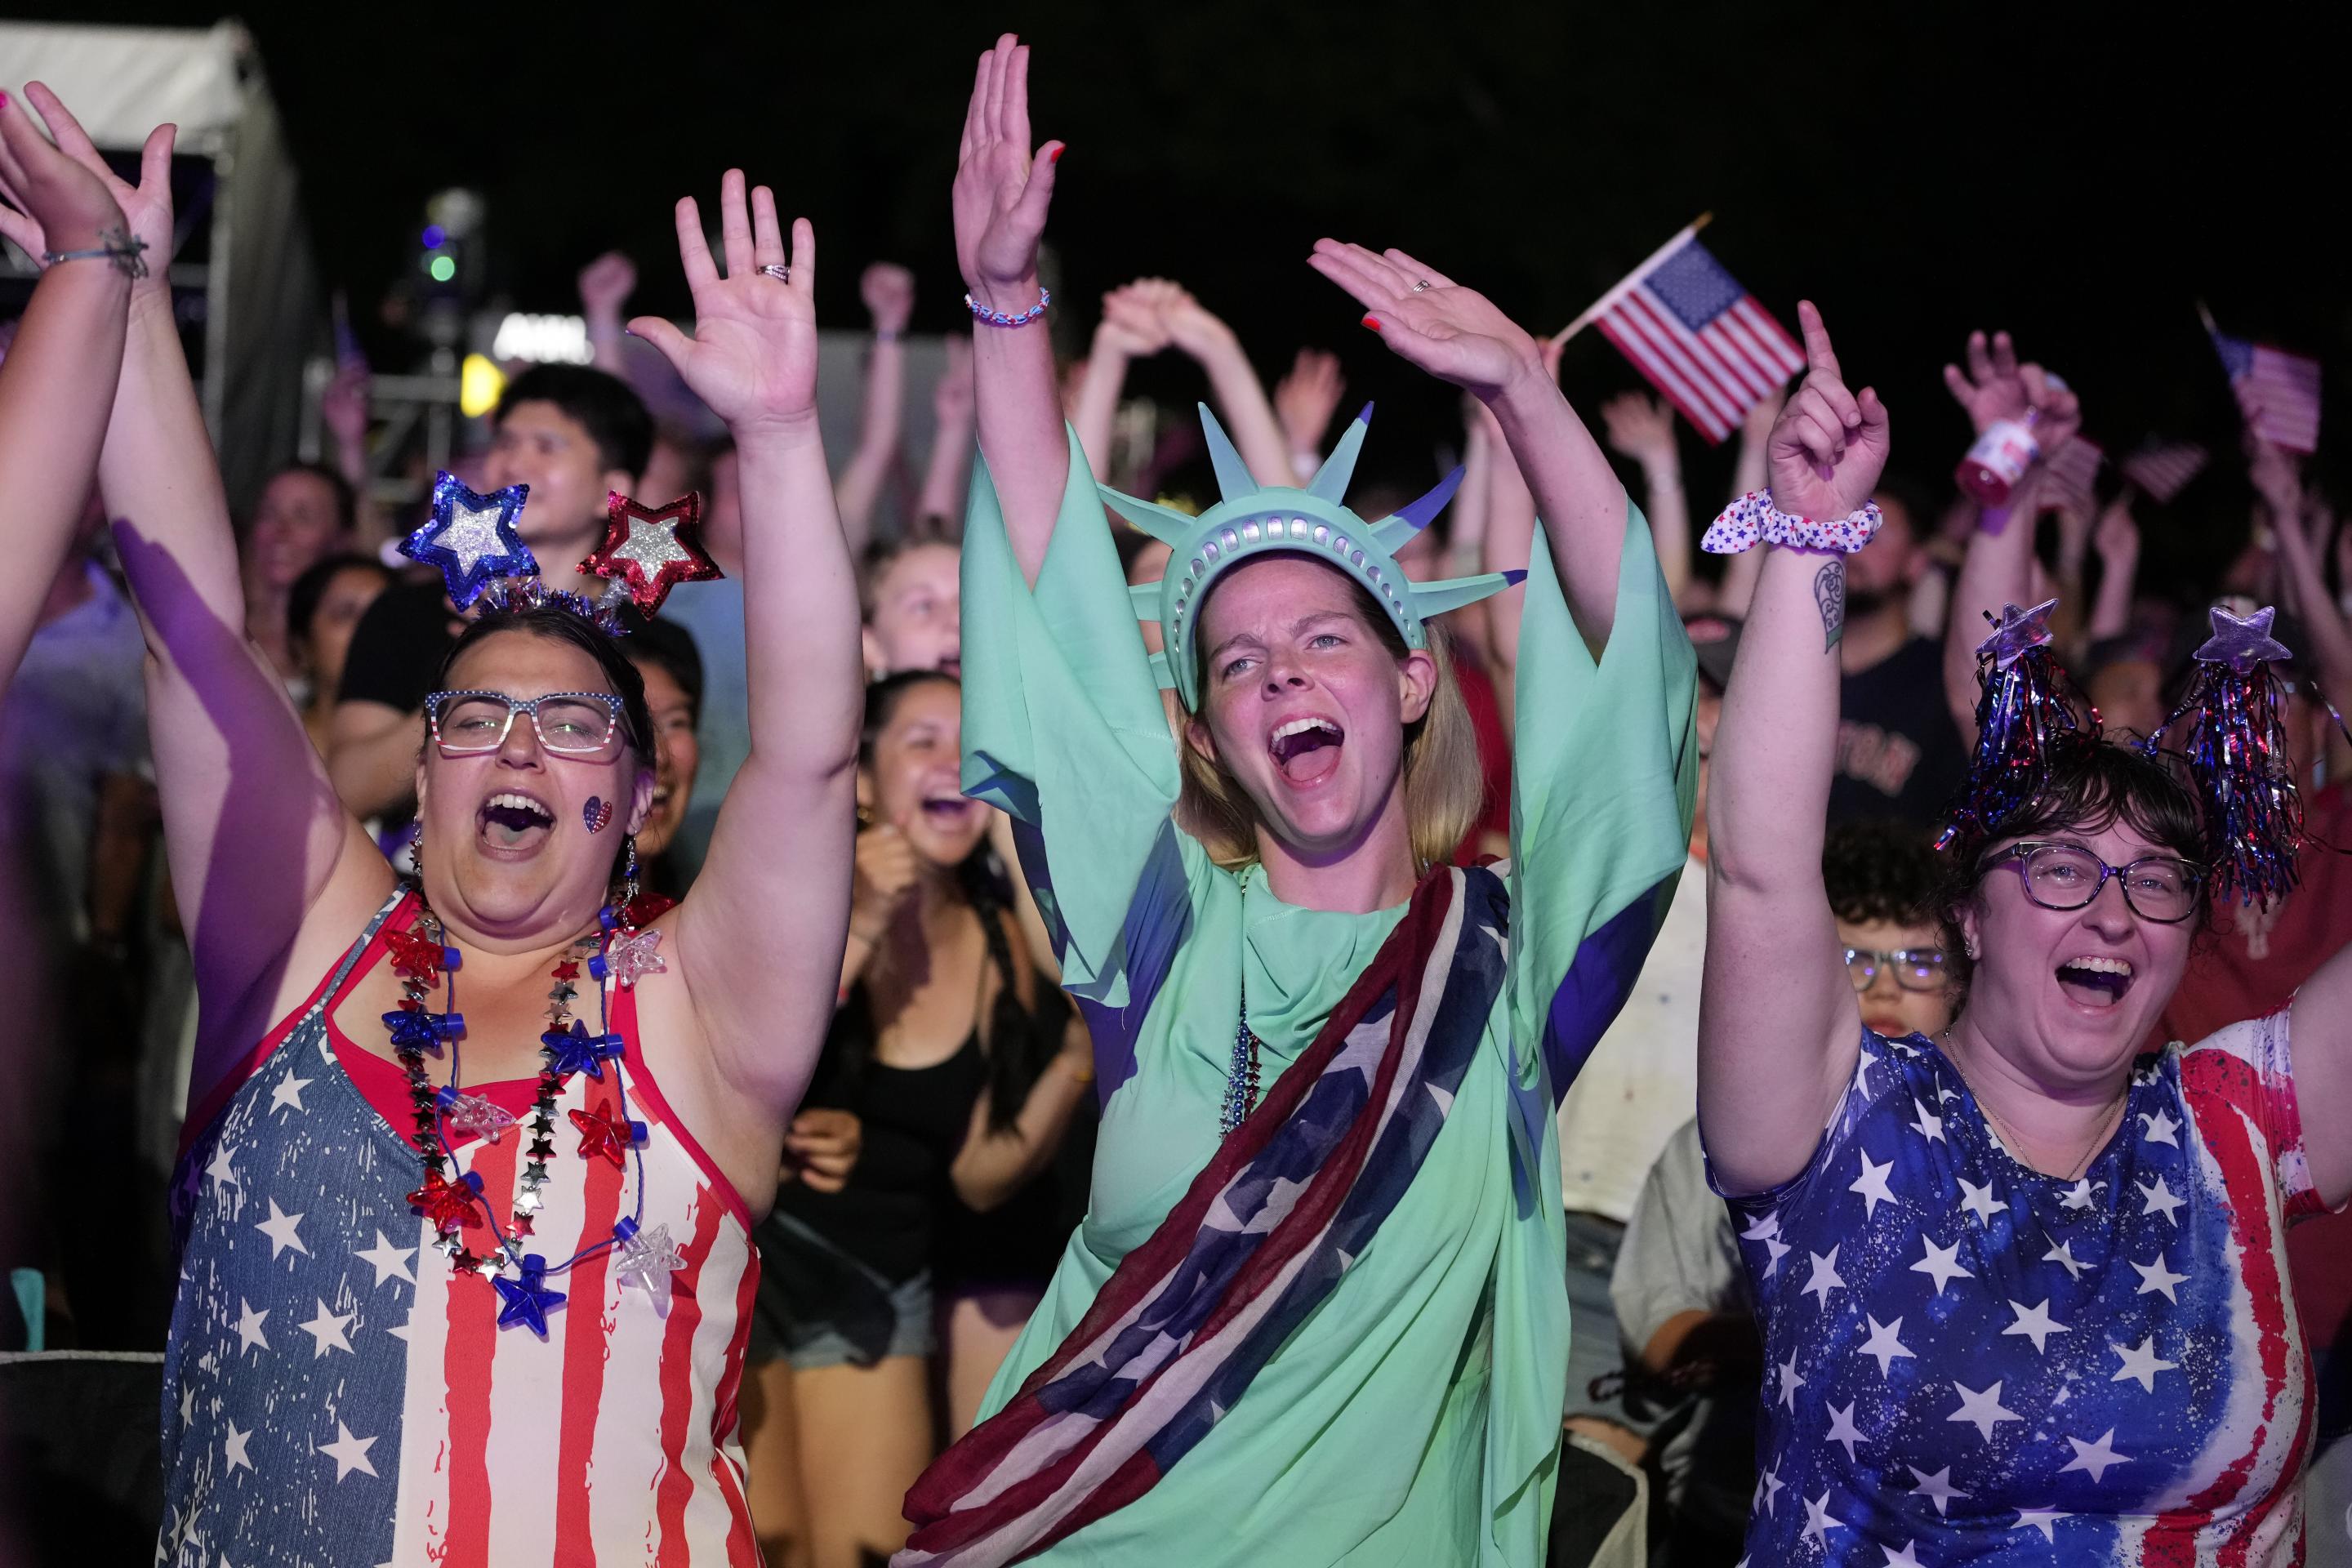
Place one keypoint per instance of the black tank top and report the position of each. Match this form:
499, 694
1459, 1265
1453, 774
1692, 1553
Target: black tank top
914, 1120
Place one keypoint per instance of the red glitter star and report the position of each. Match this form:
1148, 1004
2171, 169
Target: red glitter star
568, 970
448, 1204
602, 1134
417, 957
651, 550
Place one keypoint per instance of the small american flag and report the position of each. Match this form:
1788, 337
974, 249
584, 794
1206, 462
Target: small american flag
2278, 391
2162, 469
2073, 470
1700, 338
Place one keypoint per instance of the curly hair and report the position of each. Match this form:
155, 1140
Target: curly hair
1880, 872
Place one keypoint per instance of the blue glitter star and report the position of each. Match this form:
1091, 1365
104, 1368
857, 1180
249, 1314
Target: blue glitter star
472, 538
2242, 644
577, 1051
2017, 633
526, 1301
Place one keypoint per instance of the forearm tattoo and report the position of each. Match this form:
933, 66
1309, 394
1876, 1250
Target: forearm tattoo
1829, 594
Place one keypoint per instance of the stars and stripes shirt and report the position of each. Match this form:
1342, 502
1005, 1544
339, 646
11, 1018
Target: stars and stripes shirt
336, 1394
1969, 1362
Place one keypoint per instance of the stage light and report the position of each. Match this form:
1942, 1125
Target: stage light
435, 237
479, 384
543, 340
444, 268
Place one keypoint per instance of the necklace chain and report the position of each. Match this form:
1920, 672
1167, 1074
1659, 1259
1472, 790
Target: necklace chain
2098, 1136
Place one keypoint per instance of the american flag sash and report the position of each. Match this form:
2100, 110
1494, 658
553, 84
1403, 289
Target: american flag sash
1265, 1232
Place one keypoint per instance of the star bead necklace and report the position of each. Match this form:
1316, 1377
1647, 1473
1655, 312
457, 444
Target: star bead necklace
616, 954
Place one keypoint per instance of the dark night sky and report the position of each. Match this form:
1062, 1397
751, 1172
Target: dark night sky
1918, 170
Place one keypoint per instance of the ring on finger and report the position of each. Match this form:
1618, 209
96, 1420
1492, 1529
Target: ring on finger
1422, 287
777, 270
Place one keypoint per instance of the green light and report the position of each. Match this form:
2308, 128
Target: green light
443, 269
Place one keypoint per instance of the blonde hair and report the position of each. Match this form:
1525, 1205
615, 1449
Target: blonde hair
1445, 786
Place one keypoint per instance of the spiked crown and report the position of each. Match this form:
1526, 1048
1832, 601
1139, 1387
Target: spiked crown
1251, 519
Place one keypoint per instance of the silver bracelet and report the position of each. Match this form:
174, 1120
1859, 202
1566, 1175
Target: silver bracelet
115, 245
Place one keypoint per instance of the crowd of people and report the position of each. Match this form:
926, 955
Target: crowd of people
1370, 1022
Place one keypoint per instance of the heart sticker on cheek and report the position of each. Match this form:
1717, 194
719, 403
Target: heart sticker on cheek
597, 814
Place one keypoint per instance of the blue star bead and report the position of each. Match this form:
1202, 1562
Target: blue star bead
526, 1301
2242, 645
577, 1051
2018, 632
413, 1029
472, 538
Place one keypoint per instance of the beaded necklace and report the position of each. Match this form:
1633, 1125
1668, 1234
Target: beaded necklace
617, 953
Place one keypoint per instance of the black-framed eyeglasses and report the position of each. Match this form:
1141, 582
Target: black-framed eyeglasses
1914, 968
2159, 888
568, 723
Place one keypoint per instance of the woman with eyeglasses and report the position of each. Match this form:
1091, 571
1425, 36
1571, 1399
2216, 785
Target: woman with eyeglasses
2022, 1284
464, 1203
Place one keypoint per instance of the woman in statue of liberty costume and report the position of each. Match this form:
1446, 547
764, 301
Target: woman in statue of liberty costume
1317, 1310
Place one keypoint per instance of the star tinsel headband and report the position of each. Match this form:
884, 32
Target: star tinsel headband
473, 541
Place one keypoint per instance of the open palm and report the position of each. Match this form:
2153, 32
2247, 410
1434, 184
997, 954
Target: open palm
1827, 448
1429, 321
752, 357
1001, 189
77, 194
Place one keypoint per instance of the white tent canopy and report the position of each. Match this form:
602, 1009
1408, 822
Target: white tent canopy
254, 291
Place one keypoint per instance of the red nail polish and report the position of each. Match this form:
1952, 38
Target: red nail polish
1373, 322
1056, 155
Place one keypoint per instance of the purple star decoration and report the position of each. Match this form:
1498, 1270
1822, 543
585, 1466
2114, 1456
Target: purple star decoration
2242, 644
472, 538
2016, 633
628, 957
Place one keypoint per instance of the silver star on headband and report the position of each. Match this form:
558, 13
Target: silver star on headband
2242, 644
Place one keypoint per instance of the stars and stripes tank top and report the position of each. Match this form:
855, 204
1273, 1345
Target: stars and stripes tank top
334, 1393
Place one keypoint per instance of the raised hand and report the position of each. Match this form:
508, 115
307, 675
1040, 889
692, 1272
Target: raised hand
888, 292
2116, 537
1828, 447
343, 407
1132, 322
1001, 189
1306, 399
1432, 323
606, 283
66, 198
951, 395
2277, 478
1996, 386
753, 358
1640, 428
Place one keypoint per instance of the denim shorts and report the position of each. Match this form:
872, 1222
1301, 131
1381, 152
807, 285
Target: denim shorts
819, 1307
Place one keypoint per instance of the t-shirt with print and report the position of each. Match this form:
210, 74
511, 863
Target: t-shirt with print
1899, 756
1969, 1362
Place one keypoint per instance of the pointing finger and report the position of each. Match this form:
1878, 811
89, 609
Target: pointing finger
1819, 355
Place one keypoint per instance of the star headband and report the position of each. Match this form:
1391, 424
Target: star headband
1251, 519
2236, 748
473, 541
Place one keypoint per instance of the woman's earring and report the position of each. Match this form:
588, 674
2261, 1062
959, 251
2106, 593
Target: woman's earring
416, 845
629, 874
1972, 950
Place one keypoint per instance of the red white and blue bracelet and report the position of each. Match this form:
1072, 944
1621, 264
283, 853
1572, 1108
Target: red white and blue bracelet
999, 319
1753, 517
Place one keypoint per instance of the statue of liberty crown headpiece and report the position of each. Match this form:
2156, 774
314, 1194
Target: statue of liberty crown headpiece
1251, 520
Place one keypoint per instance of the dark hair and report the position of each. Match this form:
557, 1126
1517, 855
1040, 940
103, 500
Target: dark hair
347, 500
1880, 872
2090, 786
562, 625
1918, 504
302, 598
614, 415
670, 647
1021, 1039
878, 557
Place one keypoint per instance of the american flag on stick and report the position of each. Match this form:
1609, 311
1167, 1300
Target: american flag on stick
1700, 338
2278, 391
2162, 469
2073, 472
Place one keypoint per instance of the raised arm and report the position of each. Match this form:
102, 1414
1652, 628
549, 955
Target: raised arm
255, 835
1999, 567
889, 292
58, 381
1130, 330
1001, 193
1457, 335
949, 470
1779, 1025
606, 285
2275, 476
1643, 427
1241, 398
759, 937
2116, 540
1304, 400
